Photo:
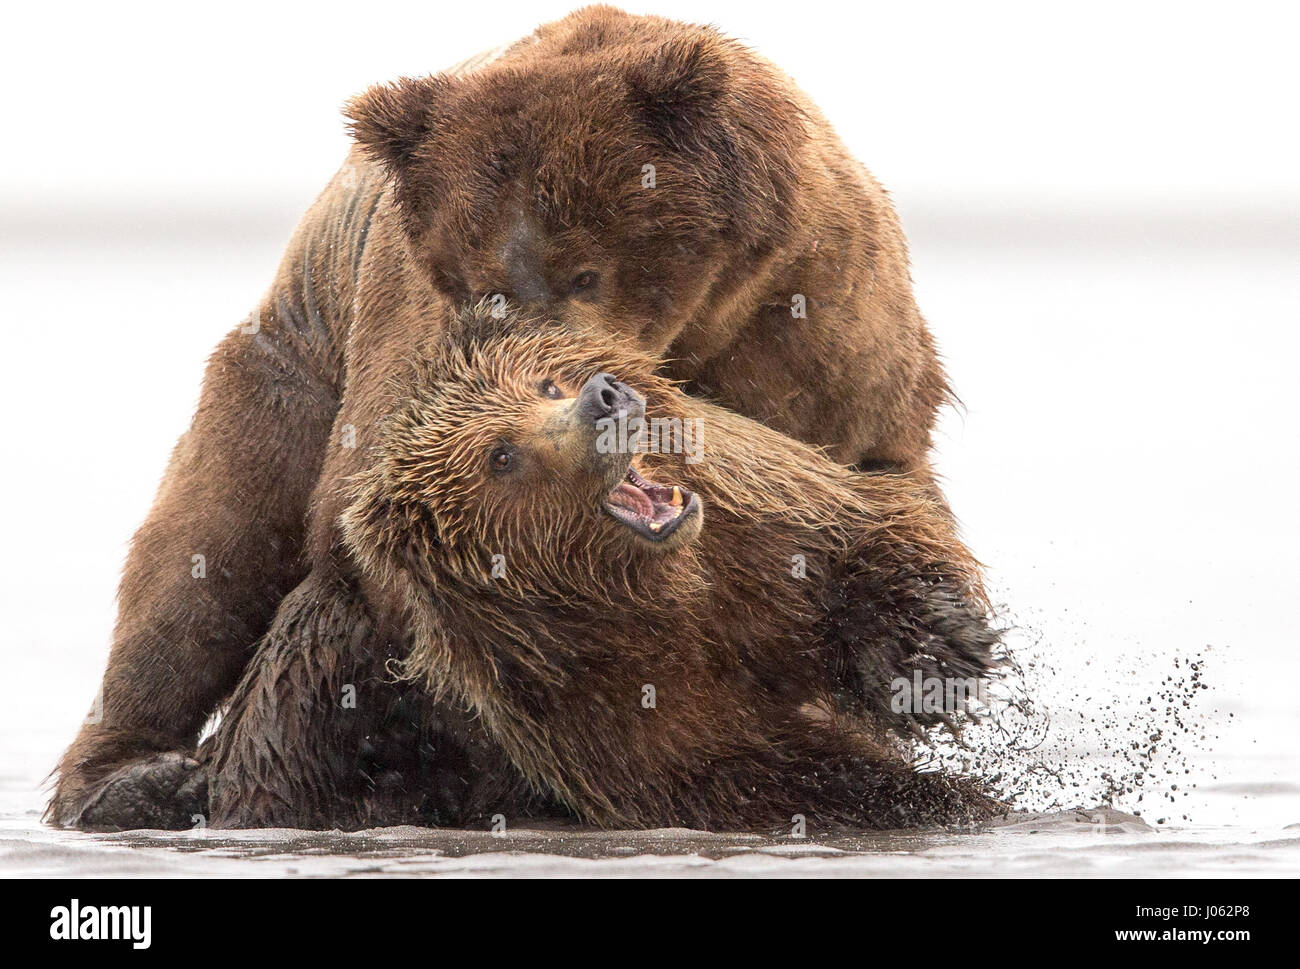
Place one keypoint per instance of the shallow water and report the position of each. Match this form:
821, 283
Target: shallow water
1125, 465
1071, 843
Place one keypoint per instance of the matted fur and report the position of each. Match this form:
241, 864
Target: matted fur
761, 680
319, 735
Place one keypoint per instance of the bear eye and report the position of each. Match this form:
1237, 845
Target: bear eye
583, 281
502, 458
549, 389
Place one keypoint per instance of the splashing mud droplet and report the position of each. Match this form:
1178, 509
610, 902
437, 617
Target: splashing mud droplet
1061, 731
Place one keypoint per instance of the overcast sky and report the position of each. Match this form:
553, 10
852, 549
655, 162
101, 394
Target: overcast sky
1104, 103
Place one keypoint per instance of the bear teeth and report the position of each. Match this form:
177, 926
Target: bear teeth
647, 506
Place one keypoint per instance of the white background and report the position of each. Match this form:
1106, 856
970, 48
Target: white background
1104, 206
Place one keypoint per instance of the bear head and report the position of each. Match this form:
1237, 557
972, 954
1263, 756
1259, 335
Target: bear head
610, 169
517, 462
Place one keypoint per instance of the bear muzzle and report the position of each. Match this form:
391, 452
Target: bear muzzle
604, 397
662, 515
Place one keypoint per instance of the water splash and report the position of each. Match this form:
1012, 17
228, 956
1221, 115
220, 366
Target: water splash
1064, 730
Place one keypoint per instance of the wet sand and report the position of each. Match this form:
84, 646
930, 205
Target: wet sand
1066, 843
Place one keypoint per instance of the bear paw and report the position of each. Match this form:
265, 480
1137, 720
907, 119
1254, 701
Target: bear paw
167, 791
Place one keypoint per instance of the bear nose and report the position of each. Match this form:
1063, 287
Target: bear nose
605, 396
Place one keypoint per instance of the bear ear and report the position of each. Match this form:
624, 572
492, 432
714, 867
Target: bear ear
391, 121
678, 88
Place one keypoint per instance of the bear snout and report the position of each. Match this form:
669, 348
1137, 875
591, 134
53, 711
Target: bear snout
604, 396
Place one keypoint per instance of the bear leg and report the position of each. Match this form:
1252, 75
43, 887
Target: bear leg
832, 779
290, 747
320, 733
218, 551
909, 646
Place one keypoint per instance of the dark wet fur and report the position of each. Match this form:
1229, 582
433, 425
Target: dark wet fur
288, 753
884, 626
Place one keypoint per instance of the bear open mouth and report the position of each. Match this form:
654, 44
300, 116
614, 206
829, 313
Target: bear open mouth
653, 511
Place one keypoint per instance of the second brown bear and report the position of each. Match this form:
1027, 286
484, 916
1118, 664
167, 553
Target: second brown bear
570, 588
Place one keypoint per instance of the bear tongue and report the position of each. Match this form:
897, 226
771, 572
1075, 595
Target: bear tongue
632, 498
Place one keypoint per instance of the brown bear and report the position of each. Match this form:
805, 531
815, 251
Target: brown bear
614, 600
649, 179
